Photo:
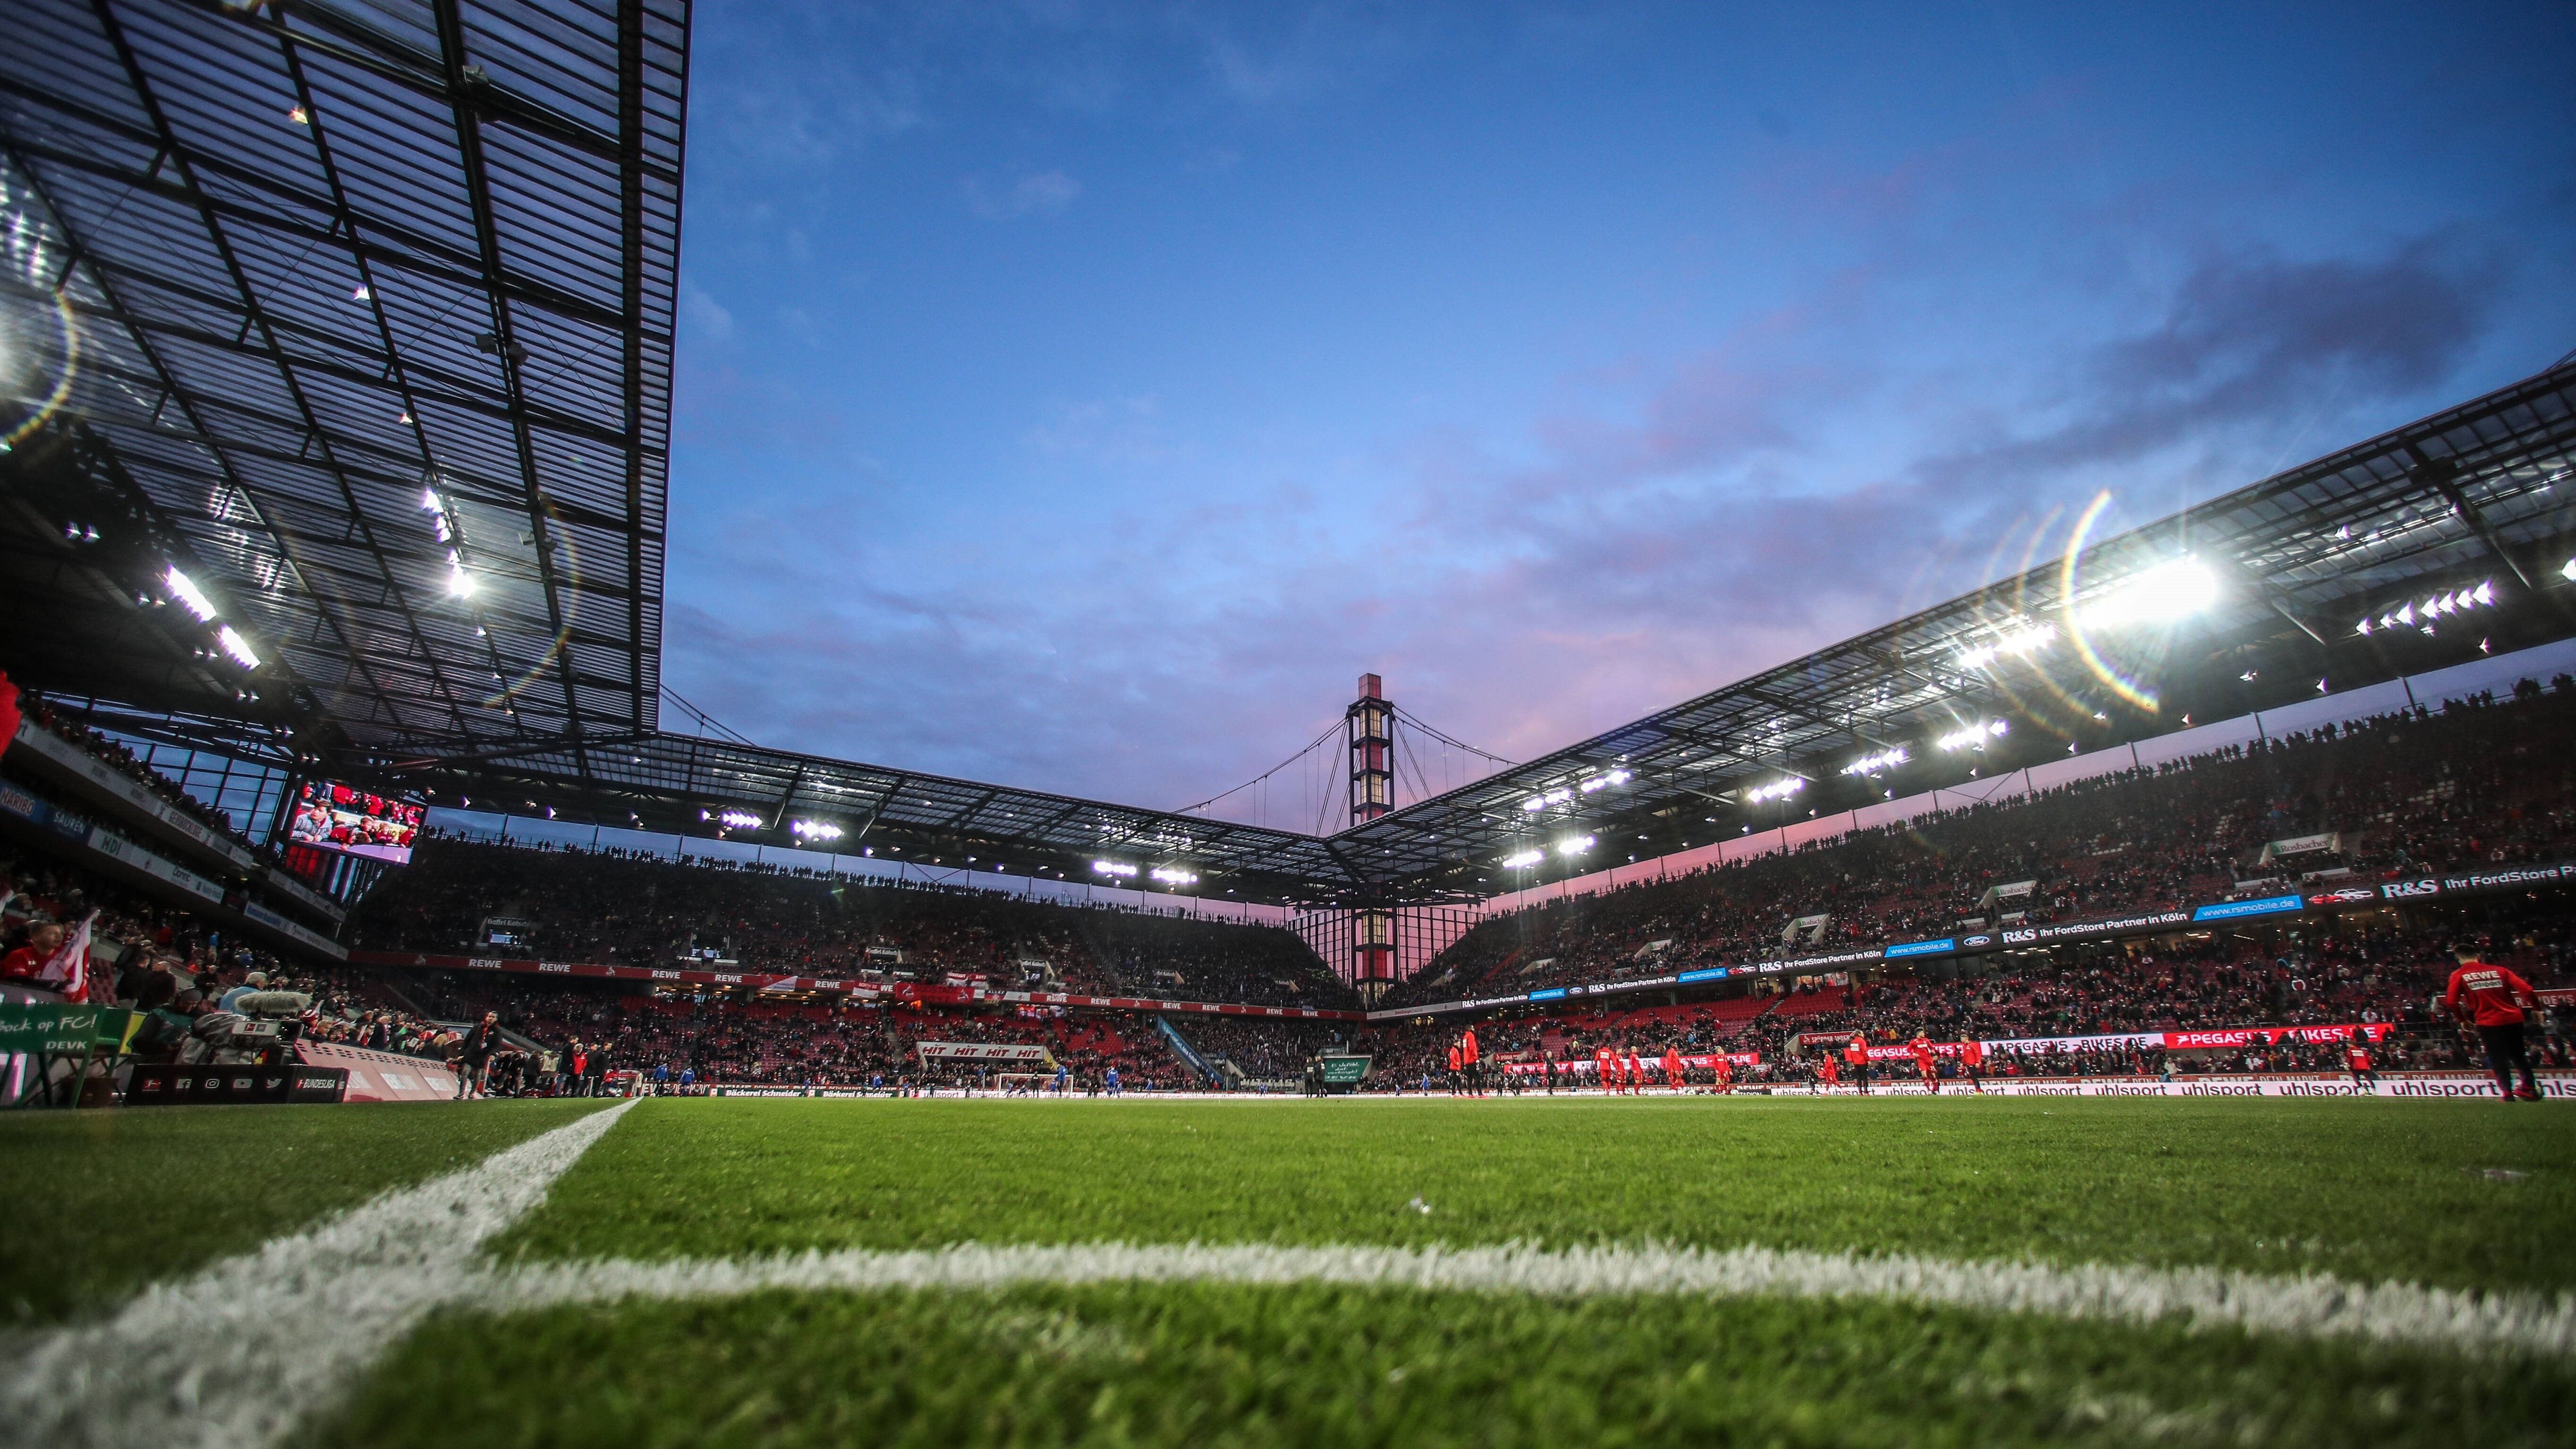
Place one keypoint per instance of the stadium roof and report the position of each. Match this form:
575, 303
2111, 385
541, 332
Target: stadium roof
373, 306
373, 316
2297, 568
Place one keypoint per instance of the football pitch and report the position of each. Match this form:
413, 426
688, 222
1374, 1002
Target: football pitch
754, 1271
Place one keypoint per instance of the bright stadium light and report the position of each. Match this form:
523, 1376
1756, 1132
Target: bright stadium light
2019, 644
1172, 875
1776, 790
1974, 737
2421, 613
1118, 868
1604, 782
238, 647
738, 819
1533, 804
2567, 571
1574, 845
429, 500
814, 830
1523, 859
186, 591
2171, 590
1872, 764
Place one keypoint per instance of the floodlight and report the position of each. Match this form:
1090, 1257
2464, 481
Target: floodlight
459, 582
1974, 737
238, 647
2171, 590
1776, 790
814, 830
1533, 804
1574, 846
1114, 867
738, 819
2567, 571
186, 591
1523, 859
2020, 643
1872, 764
1172, 875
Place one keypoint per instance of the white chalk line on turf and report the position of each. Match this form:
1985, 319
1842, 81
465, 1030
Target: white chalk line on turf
239, 1353
244, 1351
2304, 1307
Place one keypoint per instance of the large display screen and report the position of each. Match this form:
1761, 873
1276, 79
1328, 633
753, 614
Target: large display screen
335, 817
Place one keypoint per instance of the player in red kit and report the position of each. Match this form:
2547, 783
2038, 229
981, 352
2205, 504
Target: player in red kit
1925, 1063
1972, 1064
1721, 1073
2356, 1057
1469, 1058
2493, 999
1605, 1066
1856, 1057
1831, 1070
1673, 1069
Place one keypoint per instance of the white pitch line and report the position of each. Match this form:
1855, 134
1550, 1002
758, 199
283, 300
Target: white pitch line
247, 1349
238, 1354
2305, 1307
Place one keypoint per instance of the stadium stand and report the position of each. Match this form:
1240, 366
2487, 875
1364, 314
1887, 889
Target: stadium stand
2479, 781
99, 746
614, 907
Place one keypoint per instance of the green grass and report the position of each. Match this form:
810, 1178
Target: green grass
101, 1203
1203, 1365
2363, 1189
2368, 1190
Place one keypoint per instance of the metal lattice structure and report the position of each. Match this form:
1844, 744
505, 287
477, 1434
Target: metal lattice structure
361, 314
372, 299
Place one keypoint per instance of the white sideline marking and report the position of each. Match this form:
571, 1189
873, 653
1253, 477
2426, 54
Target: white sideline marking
247, 1349
2204, 1297
239, 1353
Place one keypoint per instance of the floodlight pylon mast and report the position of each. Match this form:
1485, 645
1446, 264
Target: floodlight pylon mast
1369, 729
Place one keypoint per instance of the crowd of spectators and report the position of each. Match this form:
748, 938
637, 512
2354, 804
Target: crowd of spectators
823, 1042
172, 964
618, 907
2478, 782
2377, 974
116, 753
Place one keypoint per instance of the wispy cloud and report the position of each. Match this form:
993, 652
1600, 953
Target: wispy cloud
1607, 563
1036, 193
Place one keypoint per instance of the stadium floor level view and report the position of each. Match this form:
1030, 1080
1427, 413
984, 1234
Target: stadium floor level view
1533, 1271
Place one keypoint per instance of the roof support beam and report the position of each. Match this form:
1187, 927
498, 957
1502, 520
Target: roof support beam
487, 235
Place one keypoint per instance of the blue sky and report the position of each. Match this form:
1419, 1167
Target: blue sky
1081, 397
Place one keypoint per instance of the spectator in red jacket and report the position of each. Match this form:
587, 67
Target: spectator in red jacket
2493, 999
22, 966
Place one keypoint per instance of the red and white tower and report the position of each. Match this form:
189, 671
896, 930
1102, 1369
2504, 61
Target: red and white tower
1369, 726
